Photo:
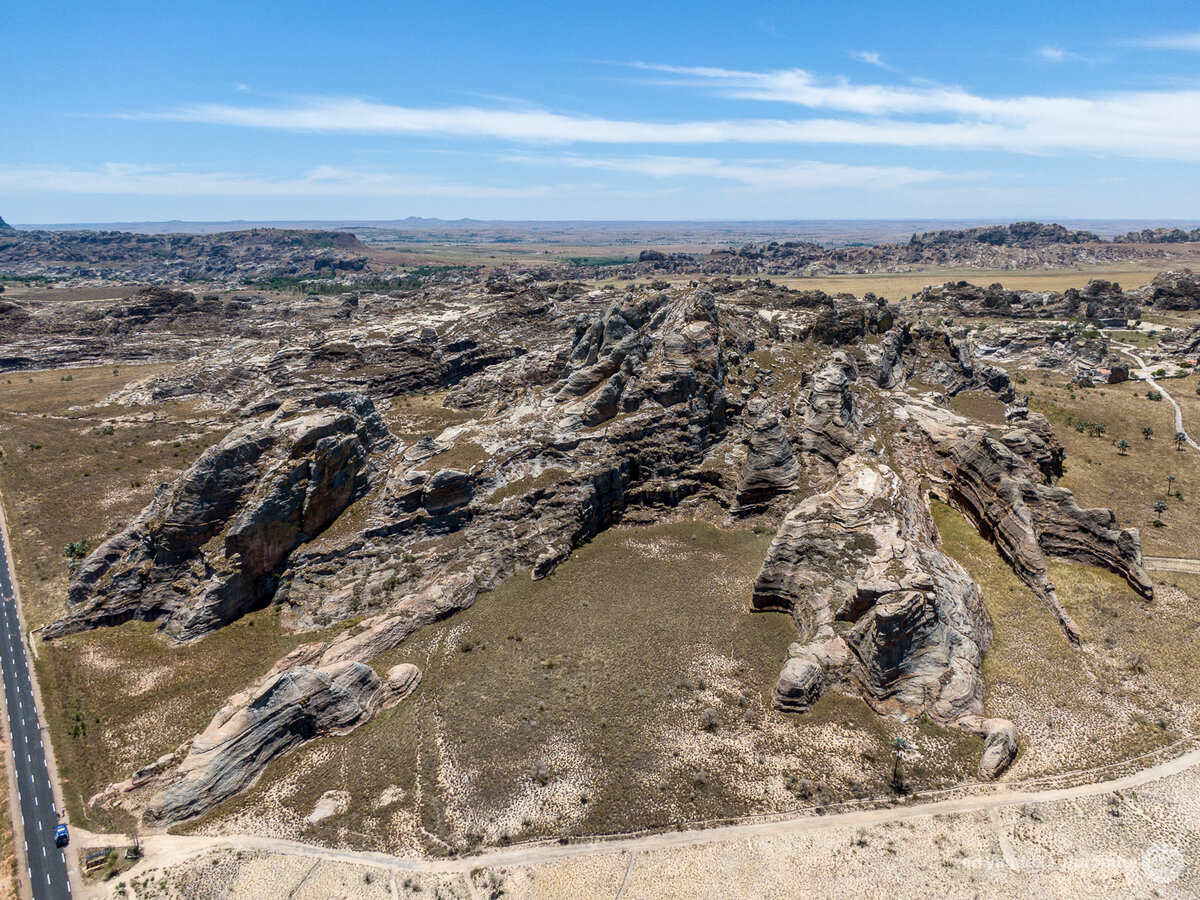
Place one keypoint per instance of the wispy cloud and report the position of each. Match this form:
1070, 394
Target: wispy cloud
763, 174
1181, 41
1055, 53
320, 181
873, 58
1162, 124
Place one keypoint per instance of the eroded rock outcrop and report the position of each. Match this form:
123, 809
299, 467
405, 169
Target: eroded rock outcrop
1174, 291
882, 612
770, 467
264, 722
206, 550
1005, 487
832, 428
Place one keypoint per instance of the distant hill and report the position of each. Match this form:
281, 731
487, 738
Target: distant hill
4, 226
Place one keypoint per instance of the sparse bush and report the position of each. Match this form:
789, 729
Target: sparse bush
710, 719
75, 552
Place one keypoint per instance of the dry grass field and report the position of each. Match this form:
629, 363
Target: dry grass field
1128, 689
629, 690
1130, 483
76, 469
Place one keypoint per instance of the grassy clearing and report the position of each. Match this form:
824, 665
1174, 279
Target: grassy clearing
415, 416
1136, 338
73, 470
893, 286
1129, 688
1100, 475
530, 483
981, 406
629, 690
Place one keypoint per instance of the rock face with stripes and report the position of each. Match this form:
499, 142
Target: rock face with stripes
882, 612
1005, 485
209, 547
261, 724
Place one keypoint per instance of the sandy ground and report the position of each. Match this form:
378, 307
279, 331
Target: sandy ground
1136, 836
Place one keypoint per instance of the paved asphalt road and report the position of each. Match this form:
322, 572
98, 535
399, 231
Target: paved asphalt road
47, 863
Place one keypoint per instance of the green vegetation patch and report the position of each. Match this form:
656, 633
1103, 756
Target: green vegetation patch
1129, 480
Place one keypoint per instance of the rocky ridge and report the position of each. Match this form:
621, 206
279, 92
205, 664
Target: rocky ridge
573, 412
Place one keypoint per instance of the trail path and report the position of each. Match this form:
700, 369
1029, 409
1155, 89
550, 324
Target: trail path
163, 851
1146, 377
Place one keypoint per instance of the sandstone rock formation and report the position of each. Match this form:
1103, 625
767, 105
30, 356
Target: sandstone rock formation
770, 467
566, 411
1174, 291
1005, 487
207, 549
880, 609
832, 428
259, 724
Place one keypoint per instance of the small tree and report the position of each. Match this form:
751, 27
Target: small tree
900, 747
1147, 432
1122, 446
1170, 482
1160, 507
1180, 437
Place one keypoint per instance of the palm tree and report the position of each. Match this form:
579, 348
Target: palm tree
1122, 446
1180, 437
1147, 432
1160, 507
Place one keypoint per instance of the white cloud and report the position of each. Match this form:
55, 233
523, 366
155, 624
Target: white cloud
1145, 124
1181, 41
762, 174
872, 58
1054, 53
321, 181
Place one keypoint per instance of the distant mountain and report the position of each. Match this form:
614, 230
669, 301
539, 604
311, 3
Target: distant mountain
4, 226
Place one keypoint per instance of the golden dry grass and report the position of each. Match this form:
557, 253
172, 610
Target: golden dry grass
63, 478
1100, 475
1128, 689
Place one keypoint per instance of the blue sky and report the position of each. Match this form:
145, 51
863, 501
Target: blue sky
524, 110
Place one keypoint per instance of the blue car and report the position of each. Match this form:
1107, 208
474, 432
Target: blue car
61, 837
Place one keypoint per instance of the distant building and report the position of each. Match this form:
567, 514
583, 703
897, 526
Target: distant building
1115, 323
